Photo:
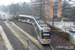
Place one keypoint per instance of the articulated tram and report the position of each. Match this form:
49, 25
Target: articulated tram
42, 30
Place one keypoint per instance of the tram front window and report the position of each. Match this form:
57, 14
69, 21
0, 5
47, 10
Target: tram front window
46, 35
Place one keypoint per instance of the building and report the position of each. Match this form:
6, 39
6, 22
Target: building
46, 8
3, 15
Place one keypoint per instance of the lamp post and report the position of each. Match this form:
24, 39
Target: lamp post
54, 11
15, 19
28, 44
15, 13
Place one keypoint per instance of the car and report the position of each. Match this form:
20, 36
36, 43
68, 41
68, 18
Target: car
72, 29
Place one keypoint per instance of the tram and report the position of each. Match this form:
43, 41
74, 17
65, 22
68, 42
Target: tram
42, 29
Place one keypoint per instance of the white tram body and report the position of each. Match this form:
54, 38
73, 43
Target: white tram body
42, 30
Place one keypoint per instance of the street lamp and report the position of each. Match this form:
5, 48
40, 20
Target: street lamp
54, 11
15, 19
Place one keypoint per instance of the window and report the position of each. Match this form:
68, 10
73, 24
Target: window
55, 0
28, 20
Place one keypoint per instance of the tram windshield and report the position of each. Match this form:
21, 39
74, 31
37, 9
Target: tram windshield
46, 35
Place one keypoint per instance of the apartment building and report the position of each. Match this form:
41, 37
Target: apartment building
46, 8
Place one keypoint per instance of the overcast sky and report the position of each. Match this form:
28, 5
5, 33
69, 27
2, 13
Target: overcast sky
6, 2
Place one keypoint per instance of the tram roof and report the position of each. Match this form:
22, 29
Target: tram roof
29, 16
37, 17
25, 16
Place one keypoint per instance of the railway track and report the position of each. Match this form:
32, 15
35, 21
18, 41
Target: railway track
31, 32
47, 47
32, 45
13, 40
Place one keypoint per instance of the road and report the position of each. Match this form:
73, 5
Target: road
65, 27
2, 47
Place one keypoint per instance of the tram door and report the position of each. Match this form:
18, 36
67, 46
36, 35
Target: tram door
20, 18
28, 20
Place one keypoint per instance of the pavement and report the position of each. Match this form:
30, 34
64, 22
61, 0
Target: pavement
16, 44
59, 44
2, 47
7, 44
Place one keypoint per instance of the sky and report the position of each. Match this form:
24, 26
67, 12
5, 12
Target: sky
7, 2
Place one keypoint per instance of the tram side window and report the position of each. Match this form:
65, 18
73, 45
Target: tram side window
28, 20
19, 17
32, 21
23, 18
